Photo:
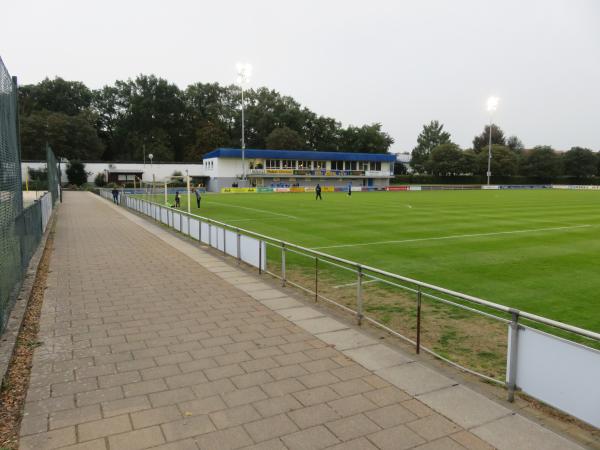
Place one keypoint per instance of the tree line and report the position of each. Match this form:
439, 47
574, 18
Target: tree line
436, 154
148, 114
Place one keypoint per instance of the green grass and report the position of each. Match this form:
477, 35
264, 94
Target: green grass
551, 272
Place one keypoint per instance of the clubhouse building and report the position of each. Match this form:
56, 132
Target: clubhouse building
225, 167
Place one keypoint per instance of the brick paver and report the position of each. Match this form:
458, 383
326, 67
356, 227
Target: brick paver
143, 347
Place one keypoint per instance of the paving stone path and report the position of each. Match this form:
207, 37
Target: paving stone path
152, 342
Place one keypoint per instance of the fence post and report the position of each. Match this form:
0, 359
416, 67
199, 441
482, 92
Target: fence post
316, 279
359, 301
239, 246
259, 257
209, 234
418, 319
512, 355
282, 264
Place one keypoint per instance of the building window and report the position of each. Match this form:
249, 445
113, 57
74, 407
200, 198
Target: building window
375, 165
273, 163
363, 165
319, 164
350, 165
287, 164
337, 165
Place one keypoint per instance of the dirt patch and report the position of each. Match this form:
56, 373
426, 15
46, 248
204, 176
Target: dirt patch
465, 337
16, 381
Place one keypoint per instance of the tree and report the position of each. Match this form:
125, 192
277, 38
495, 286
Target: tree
154, 111
580, 162
482, 140
72, 137
514, 144
541, 162
208, 137
365, 139
400, 168
58, 95
284, 138
445, 160
76, 173
430, 137
503, 163
149, 112
469, 163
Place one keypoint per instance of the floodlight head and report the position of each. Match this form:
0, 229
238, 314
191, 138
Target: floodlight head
150, 155
244, 71
492, 103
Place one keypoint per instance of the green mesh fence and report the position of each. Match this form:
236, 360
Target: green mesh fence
53, 175
20, 229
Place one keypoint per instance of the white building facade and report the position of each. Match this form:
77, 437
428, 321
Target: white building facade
225, 167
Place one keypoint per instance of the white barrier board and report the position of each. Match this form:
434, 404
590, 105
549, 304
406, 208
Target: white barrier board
231, 243
561, 373
195, 229
176, 221
204, 232
252, 251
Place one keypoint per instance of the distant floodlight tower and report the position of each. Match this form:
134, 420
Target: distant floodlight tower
492, 105
244, 72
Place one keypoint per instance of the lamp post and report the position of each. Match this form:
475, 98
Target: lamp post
492, 105
244, 71
150, 155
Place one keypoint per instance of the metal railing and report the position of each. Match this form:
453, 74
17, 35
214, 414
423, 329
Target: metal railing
314, 276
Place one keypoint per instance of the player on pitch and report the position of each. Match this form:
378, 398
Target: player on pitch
318, 192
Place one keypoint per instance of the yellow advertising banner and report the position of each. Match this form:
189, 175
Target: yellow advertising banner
237, 190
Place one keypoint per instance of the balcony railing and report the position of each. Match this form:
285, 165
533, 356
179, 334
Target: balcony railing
320, 173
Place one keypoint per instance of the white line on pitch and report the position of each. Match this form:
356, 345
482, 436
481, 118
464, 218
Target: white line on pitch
455, 236
352, 284
254, 209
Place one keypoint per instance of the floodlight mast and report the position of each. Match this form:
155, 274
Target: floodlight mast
244, 71
492, 105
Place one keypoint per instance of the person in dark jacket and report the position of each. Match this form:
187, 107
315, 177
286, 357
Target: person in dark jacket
115, 194
318, 192
177, 200
198, 197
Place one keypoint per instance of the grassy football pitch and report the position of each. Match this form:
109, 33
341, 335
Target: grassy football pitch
538, 251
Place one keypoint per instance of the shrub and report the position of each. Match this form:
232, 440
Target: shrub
76, 173
100, 180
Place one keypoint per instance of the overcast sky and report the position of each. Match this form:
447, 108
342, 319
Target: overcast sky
398, 63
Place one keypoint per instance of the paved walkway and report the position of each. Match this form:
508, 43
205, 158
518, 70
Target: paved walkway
151, 342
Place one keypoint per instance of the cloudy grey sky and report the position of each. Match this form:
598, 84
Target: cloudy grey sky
398, 63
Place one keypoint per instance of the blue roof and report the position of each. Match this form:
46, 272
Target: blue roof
302, 155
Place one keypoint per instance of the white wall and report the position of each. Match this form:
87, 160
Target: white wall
161, 171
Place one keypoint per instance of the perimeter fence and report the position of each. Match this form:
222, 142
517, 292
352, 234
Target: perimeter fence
21, 228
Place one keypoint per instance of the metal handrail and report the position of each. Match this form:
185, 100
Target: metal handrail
486, 303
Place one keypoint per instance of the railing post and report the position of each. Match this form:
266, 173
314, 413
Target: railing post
239, 246
209, 234
418, 319
224, 241
359, 300
259, 257
513, 346
282, 264
316, 279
